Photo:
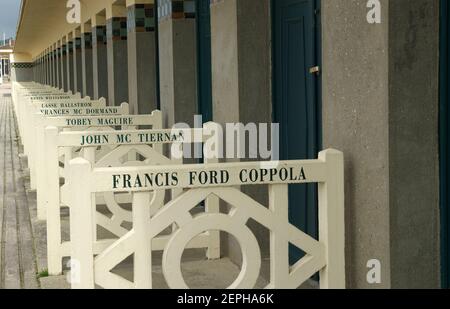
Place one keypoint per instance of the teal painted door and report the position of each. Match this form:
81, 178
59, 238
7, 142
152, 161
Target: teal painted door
296, 101
445, 141
204, 59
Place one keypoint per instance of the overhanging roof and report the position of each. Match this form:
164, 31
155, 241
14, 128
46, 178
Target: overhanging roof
43, 22
40, 22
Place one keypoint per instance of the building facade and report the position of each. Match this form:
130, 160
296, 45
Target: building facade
5, 54
320, 68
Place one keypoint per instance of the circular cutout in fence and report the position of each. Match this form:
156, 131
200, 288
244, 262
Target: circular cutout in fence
251, 255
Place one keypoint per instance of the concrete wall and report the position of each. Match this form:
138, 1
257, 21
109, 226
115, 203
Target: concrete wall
380, 106
117, 58
77, 65
242, 81
21, 74
178, 67
87, 65
100, 66
166, 72
380, 102
355, 121
142, 79
414, 143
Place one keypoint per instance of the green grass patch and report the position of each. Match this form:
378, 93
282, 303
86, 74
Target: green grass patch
43, 274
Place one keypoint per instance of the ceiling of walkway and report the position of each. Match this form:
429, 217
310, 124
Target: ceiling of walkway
43, 22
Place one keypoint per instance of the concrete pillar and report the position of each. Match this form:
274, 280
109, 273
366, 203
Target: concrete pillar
241, 79
414, 166
63, 66
34, 70
178, 65
47, 67
38, 72
142, 56
77, 71
54, 66
116, 32
69, 62
380, 107
50, 65
41, 69
58, 65
99, 57
87, 73
44, 67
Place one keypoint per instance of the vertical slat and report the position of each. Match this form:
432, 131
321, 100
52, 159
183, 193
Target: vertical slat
52, 204
143, 253
212, 202
34, 126
41, 173
331, 221
81, 225
279, 245
89, 155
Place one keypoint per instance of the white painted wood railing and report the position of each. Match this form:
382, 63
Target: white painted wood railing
105, 148
39, 121
28, 97
218, 181
23, 93
91, 123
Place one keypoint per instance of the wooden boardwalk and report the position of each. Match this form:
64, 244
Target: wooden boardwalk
17, 253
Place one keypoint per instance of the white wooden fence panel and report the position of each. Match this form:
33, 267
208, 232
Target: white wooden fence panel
37, 157
33, 133
117, 156
325, 255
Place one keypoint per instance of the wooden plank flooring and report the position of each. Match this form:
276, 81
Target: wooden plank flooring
17, 254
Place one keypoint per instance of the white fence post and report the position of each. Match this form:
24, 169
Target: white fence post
212, 203
332, 220
89, 155
143, 253
279, 246
158, 125
52, 204
36, 169
82, 217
